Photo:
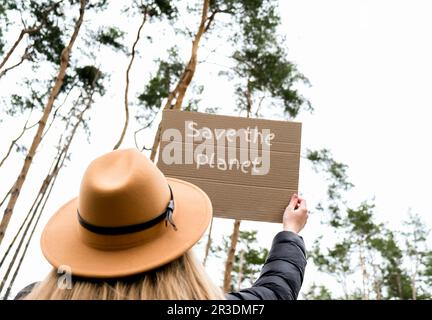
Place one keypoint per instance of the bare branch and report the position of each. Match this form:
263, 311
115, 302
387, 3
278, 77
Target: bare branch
25, 56
5, 197
14, 141
148, 125
12, 49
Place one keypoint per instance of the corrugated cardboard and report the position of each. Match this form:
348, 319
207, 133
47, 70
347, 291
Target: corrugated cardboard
235, 194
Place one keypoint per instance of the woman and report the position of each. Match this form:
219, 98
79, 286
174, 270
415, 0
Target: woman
129, 234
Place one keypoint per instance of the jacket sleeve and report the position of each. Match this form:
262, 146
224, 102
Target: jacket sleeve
282, 274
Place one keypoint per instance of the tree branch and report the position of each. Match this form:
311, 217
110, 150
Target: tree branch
25, 56
14, 141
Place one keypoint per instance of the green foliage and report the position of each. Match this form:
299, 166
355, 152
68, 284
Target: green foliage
161, 8
337, 179
262, 67
317, 292
5, 6
3, 16
90, 78
427, 273
47, 39
337, 171
248, 260
111, 37
334, 261
18, 104
1, 43
373, 252
417, 253
159, 86
95, 4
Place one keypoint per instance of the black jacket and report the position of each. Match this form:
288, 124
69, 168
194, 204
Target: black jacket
281, 276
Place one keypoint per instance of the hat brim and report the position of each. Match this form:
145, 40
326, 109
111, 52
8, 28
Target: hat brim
62, 245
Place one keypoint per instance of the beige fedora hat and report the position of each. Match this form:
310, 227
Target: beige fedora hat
127, 219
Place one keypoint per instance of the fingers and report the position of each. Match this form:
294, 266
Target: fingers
293, 202
303, 204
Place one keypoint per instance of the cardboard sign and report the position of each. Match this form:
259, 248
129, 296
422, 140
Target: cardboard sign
248, 167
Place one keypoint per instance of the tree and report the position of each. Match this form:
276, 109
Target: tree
416, 250
153, 10
64, 61
427, 273
317, 292
157, 90
395, 278
185, 79
247, 262
89, 79
262, 75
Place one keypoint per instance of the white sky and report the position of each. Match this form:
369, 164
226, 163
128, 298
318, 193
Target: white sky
370, 69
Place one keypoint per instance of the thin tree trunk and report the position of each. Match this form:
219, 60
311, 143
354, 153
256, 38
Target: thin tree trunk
185, 79
240, 273
209, 242
230, 257
191, 66
41, 199
413, 287
42, 123
30, 237
14, 46
39, 196
363, 271
399, 285
23, 224
126, 102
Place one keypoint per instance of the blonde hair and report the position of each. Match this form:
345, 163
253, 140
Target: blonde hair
183, 279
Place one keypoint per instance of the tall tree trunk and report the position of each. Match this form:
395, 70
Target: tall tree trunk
399, 285
15, 274
41, 125
185, 79
363, 271
41, 199
126, 100
230, 257
240, 273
